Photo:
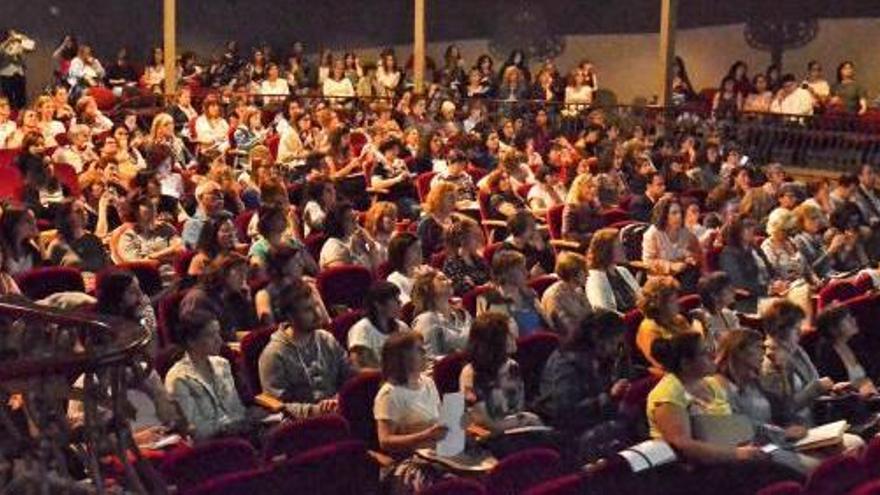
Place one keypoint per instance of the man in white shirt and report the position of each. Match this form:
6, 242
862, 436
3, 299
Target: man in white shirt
791, 99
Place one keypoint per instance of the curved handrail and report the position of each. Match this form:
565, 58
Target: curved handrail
125, 340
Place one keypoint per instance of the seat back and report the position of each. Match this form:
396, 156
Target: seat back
869, 488
573, 484
147, 273
542, 283
254, 481
423, 185
8, 156
447, 372
518, 472
181, 264
241, 222
532, 353
837, 291
356, 405
344, 285
39, 283
296, 437
613, 216
11, 183
252, 346
469, 300
782, 488
455, 486
168, 316
554, 221
712, 260
835, 476
490, 250
689, 303
871, 458
188, 466
343, 323
340, 468
634, 405
66, 175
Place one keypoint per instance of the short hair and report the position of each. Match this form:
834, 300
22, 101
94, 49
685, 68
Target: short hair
519, 222
600, 254
780, 318
379, 293
671, 353
848, 180
191, 325
828, 321
268, 214
291, 296
806, 211
569, 265
394, 356
397, 249
710, 285
459, 230
655, 293
598, 326
487, 345
424, 292
504, 261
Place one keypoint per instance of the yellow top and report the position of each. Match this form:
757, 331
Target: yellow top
670, 390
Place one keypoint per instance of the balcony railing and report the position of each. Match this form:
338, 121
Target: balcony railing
44, 352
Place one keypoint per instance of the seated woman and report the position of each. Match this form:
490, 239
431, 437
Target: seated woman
527, 240
322, 199
148, 240
788, 376
715, 316
347, 243
202, 384
303, 365
380, 223
18, 228
583, 382
463, 264
659, 304
492, 382
407, 412
510, 294
503, 201
547, 192
439, 207
217, 238
404, 262
443, 327
286, 265
273, 226
668, 248
565, 302
580, 216
223, 293
74, 245
684, 393
749, 269
789, 265
366, 337
610, 285
836, 357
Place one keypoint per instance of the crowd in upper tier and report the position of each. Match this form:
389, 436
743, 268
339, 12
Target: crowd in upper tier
375, 228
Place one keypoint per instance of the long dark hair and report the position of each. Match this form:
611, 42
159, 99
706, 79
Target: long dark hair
672, 352
380, 293
62, 220
487, 346
207, 242
12, 216
110, 290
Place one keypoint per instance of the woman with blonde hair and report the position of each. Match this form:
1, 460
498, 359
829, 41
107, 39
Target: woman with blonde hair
565, 302
439, 207
443, 326
162, 134
49, 127
787, 262
580, 215
610, 285
663, 319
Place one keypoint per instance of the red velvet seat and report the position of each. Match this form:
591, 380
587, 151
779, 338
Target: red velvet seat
532, 353
356, 405
168, 316
689, 303
835, 476
455, 486
518, 472
39, 283
341, 468
296, 437
782, 488
423, 185
614, 216
254, 481
241, 222
67, 176
542, 283
343, 323
869, 488
573, 484
181, 264
252, 346
554, 221
8, 156
837, 291
871, 458
447, 372
634, 405
438, 260
469, 299
344, 285
712, 261
489, 252
188, 466
11, 183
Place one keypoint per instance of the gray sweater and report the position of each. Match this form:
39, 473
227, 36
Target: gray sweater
303, 373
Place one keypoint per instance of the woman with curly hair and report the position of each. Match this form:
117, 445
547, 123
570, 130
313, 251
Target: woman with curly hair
663, 319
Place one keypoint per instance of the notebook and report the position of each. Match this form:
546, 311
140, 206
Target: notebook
647, 455
820, 437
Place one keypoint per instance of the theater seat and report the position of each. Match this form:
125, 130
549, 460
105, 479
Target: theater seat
518, 472
455, 486
40, 283
782, 488
532, 353
835, 476
296, 437
447, 372
573, 484
344, 285
339, 468
254, 481
356, 405
186, 466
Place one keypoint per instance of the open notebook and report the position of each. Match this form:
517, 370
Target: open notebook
647, 455
823, 436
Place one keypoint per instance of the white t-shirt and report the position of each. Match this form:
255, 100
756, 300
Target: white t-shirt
365, 334
7, 129
277, 90
312, 214
404, 283
799, 102
409, 410
334, 251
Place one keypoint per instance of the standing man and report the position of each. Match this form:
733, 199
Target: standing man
13, 85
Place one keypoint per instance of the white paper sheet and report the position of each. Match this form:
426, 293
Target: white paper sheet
451, 411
